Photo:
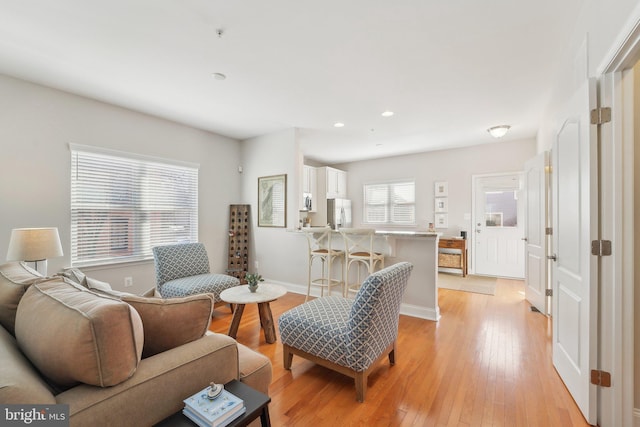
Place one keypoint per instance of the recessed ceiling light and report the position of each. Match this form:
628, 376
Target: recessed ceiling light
338, 124
499, 131
387, 113
219, 76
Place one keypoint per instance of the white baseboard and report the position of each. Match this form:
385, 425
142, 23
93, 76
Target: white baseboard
406, 309
636, 417
421, 312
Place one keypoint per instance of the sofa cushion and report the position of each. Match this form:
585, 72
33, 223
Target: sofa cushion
202, 283
74, 335
169, 323
15, 278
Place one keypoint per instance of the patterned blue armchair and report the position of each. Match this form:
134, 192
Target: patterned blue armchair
183, 270
349, 336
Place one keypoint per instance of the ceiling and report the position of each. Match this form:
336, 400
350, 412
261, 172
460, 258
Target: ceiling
447, 69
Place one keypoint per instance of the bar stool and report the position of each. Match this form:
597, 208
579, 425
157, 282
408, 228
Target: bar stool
358, 244
319, 240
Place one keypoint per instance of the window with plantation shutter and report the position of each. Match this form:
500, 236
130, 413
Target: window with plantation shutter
390, 203
123, 205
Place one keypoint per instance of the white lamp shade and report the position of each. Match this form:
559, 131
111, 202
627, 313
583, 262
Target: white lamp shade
34, 244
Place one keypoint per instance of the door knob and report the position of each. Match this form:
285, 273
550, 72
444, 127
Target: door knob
525, 239
552, 257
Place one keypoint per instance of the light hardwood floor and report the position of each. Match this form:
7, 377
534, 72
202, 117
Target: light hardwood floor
487, 362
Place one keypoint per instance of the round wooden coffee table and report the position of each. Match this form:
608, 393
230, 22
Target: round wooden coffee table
240, 296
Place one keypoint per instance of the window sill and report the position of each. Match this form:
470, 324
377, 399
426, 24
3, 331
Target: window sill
113, 265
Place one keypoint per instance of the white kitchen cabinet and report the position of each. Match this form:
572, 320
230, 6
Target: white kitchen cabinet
336, 181
309, 187
308, 179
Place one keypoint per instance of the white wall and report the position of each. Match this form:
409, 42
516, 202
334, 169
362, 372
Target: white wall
281, 254
36, 126
456, 166
600, 27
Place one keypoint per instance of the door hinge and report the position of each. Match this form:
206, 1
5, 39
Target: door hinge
601, 247
600, 115
548, 292
548, 231
601, 378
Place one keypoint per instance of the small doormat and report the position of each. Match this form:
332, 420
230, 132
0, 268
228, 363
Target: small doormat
476, 284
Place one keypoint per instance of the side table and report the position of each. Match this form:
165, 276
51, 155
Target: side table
241, 296
257, 405
457, 261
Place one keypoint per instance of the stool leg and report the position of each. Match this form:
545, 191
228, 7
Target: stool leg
329, 261
322, 279
344, 283
347, 284
309, 279
345, 275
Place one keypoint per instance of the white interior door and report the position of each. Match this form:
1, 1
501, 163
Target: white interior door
499, 225
535, 235
574, 271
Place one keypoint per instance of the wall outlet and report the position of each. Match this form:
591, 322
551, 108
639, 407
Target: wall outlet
128, 282
256, 265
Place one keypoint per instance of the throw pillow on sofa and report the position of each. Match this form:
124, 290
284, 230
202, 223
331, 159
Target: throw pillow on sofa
169, 323
15, 278
76, 275
74, 335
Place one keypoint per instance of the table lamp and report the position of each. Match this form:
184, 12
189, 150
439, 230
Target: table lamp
34, 245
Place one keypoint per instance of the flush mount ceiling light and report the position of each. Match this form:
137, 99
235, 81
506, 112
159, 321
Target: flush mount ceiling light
219, 76
338, 125
499, 131
387, 113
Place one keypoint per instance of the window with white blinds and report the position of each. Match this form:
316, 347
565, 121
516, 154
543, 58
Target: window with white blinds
123, 205
390, 203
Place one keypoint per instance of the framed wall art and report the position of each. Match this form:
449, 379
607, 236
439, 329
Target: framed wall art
441, 188
442, 220
442, 204
272, 201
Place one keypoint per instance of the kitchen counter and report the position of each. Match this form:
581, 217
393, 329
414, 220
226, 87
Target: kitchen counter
407, 233
417, 247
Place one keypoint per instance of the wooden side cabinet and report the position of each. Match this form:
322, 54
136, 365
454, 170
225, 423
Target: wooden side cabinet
447, 259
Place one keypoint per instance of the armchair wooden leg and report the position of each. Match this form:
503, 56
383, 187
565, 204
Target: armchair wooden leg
392, 355
287, 357
361, 385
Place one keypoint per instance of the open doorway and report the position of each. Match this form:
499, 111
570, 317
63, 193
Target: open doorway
618, 321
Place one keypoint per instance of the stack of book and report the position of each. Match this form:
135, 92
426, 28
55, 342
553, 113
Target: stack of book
218, 412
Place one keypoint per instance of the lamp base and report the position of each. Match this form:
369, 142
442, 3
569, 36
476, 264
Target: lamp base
40, 266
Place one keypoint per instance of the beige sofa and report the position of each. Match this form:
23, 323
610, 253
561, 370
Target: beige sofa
115, 359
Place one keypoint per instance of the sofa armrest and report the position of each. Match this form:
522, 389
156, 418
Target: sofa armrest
159, 385
20, 382
255, 369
